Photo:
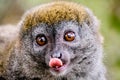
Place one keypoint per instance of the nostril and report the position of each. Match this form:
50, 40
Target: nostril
60, 55
56, 55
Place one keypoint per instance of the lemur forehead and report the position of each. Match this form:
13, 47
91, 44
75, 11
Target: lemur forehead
55, 12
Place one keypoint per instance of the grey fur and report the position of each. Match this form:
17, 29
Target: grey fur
84, 55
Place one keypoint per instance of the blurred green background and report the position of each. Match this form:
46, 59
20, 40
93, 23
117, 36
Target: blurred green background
107, 11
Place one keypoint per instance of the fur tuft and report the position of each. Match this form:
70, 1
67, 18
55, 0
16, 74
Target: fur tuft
55, 12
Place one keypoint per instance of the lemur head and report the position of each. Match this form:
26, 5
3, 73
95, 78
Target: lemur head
61, 35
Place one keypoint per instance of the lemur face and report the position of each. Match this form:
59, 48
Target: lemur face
57, 45
62, 46
61, 36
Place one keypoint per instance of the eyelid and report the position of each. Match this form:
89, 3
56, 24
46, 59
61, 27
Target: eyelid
41, 39
69, 36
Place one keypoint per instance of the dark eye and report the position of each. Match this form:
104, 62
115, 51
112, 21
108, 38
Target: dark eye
69, 36
41, 40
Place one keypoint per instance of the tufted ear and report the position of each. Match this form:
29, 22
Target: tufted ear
93, 22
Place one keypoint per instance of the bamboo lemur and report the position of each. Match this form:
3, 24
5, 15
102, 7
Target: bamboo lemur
57, 41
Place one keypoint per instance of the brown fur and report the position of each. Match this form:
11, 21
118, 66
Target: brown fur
55, 12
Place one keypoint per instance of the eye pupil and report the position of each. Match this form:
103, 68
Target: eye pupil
69, 36
41, 40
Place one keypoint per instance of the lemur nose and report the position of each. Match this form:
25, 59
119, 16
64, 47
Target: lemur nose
57, 55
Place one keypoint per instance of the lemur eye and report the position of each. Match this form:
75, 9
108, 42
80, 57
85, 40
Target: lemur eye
69, 36
41, 40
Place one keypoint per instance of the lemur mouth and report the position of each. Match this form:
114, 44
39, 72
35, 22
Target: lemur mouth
57, 65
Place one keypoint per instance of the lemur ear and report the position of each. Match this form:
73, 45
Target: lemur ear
94, 25
93, 22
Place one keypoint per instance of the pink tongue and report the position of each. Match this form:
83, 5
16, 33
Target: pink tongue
55, 63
